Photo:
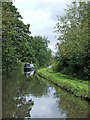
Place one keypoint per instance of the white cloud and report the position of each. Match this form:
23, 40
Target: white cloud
41, 15
38, 16
53, 48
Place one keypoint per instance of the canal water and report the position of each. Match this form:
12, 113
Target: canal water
26, 95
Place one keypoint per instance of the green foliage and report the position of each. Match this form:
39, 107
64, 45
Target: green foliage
77, 87
73, 50
14, 35
42, 52
56, 66
17, 44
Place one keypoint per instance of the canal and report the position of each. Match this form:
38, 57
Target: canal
26, 95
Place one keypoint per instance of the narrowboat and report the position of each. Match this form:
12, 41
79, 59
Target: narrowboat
28, 66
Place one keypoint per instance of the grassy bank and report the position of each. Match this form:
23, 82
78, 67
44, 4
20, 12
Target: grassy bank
75, 86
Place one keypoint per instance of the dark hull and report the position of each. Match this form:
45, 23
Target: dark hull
28, 69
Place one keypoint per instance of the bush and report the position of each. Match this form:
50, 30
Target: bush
56, 67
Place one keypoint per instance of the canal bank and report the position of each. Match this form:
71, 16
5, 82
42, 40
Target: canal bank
77, 87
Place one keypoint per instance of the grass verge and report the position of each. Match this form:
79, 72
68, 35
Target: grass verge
75, 86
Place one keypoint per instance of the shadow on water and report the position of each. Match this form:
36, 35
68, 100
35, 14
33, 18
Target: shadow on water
29, 96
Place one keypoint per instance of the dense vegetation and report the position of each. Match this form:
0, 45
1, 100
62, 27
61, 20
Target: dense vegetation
17, 43
72, 29
42, 52
73, 47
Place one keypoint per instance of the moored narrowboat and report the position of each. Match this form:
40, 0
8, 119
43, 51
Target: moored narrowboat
28, 66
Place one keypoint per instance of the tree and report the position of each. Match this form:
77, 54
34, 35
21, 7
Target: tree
17, 44
8, 47
42, 52
74, 40
15, 36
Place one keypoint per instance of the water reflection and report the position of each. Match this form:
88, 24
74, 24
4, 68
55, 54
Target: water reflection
14, 103
46, 106
34, 97
23, 107
58, 103
29, 73
73, 106
15, 89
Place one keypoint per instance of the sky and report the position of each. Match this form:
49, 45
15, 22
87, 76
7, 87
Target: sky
42, 16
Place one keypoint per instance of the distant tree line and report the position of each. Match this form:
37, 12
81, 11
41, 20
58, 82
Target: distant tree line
72, 29
17, 42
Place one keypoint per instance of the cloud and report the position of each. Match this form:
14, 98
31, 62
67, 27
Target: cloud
53, 48
41, 15
46, 106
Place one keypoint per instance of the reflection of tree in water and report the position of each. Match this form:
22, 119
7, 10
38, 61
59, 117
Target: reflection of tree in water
14, 103
73, 106
36, 86
23, 107
16, 106
15, 88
